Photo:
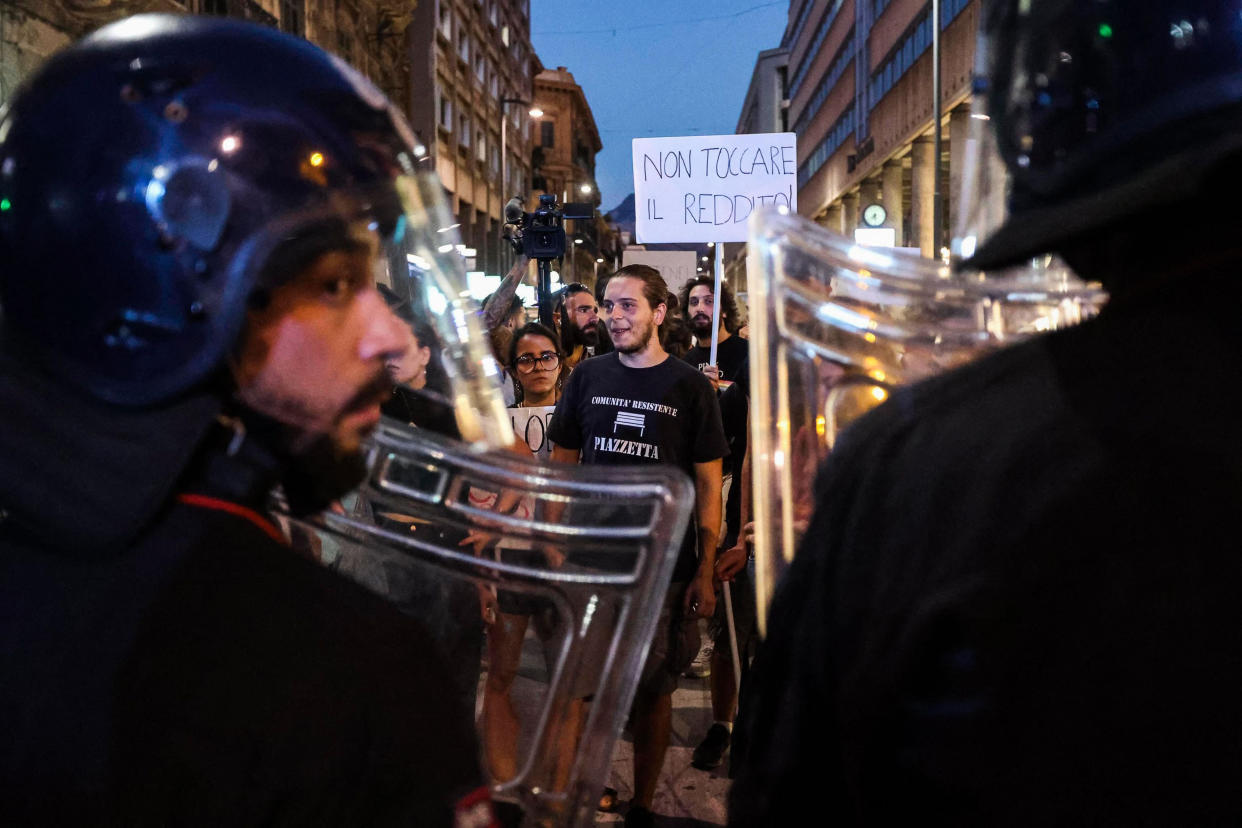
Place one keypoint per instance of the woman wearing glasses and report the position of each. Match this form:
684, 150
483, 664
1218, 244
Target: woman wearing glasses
536, 366
536, 363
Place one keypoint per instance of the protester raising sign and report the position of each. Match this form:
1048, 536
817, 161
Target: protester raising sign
704, 188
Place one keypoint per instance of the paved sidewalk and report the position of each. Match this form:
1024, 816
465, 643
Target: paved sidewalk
685, 797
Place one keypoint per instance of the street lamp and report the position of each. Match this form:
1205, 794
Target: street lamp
534, 112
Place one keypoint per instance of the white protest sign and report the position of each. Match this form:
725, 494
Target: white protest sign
531, 426
676, 266
704, 188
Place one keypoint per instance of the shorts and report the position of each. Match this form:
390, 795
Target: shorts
513, 602
745, 616
674, 646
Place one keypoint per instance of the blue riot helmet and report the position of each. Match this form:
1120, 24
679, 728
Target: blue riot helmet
158, 176
1099, 110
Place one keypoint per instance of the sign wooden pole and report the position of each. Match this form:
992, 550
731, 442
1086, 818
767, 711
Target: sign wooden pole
716, 302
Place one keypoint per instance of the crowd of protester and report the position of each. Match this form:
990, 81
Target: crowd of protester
1012, 606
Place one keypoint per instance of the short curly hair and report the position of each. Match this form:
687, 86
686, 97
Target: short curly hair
729, 313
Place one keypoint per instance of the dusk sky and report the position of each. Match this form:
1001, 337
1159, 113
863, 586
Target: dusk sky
653, 68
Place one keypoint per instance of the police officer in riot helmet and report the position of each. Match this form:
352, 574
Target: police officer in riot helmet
1017, 603
192, 215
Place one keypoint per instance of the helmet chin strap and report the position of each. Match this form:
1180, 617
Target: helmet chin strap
321, 475
314, 474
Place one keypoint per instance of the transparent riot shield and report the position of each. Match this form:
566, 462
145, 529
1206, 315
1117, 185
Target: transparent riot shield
562, 569
837, 326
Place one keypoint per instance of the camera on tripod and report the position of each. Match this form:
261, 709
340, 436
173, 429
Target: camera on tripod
541, 234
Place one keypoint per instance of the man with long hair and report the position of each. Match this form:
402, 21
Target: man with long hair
640, 405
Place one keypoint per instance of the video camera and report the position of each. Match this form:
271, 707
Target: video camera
541, 234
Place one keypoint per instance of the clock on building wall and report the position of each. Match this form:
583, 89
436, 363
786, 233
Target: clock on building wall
873, 215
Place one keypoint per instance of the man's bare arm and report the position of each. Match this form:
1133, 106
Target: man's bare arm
498, 303
732, 561
701, 596
554, 510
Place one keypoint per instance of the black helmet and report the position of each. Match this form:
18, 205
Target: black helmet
149, 172
1103, 108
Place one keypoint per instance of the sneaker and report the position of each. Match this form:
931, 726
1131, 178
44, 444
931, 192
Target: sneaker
701, 667
639, 817
710, 752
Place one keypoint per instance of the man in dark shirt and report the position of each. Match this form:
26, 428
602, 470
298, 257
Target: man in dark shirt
1017, 601
582, 333
698, 298
639, 405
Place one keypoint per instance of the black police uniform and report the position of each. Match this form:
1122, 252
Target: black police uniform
188, 667
1017, 603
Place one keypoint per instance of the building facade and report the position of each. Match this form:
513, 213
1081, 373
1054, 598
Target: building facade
860, 101
472, 72
563, 164
765, 109
448, 63
368, 33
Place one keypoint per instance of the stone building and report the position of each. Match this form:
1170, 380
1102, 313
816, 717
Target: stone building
764, 109
860, 101
563, 164
368, 33
476, 55
448, 63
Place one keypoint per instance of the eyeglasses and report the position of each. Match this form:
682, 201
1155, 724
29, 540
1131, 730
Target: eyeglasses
548, 361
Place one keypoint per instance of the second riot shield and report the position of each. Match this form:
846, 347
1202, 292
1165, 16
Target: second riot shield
837, 326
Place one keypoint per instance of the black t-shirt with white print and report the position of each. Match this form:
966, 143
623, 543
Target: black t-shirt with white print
616, 415
730, 354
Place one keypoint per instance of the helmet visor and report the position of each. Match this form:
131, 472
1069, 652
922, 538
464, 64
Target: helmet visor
408, 234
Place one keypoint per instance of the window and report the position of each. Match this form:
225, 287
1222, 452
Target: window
480, 66
480, 146
548, 134
292, 16
446, 21
835, 70
803, 13
344, 46
836, 136
464, 128
493, 14
821, 31
494, 86
463, 46
446, 112
504, 35
912, 46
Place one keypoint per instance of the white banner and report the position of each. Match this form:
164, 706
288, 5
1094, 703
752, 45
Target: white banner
531, 426
676, 266
703, 188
